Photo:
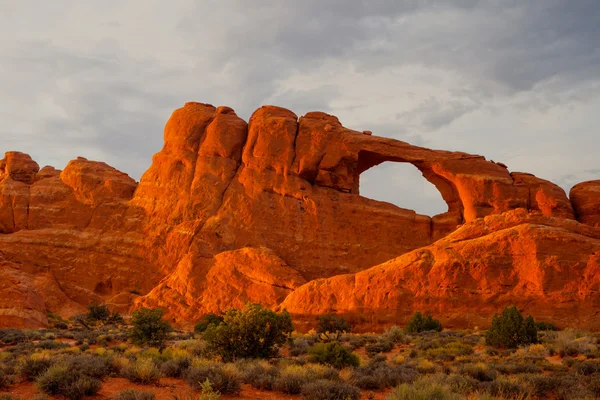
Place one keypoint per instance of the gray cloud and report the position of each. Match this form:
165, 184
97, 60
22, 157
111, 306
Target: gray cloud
515, 81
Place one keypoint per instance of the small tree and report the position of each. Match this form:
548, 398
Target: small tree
420, 323
252, 332
206, 321
98, 312
149, 327
510, 329
330, 327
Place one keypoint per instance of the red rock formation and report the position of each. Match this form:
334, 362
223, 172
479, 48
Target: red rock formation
547, 267
231, 212
586, 202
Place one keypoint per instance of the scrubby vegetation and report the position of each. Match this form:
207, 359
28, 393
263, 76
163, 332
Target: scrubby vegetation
419, 323
252, 332
149, 327
510, 329
257, 348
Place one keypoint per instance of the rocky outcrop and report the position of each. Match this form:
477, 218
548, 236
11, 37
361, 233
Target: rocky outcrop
231, 212
547, 267
586, 202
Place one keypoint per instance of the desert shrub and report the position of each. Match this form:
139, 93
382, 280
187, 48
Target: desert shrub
149, 327
594, 385
60, 380
383, 345
11, 336
504, 388
143, 370
568, 344
455, 383
356, 342
116, 319
420, 323
5, 380
450, 350
510, 329
510, 368
206, 321
175, 368
223, 380
378, 375
479, 371
425, 367
586, 367
51, 345
396, 335
260, 375
31, 368
291, 380
93, 366
61, 325
545, 326
419, 392
98, 312
132, 394
329, 390
252, 332
335, 354
299, 346
208, 393
543, 385
330, 327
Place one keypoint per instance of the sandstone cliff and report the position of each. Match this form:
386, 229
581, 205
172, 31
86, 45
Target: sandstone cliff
270, 211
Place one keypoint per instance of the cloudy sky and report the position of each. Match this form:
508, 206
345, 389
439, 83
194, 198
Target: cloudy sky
516, 81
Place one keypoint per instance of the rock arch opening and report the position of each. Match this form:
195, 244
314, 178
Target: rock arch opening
402, 184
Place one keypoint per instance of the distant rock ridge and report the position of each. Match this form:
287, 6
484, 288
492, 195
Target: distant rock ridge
270, 211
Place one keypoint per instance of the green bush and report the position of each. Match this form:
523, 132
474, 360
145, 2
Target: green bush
330, 327
334, 354
419, 323
545, 326
132, 394
149, 327
115, 319
329, 390
98, 312
206, 321
252, 332
510, 329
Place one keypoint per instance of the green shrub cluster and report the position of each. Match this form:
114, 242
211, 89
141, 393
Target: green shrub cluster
149, 327
252, 332
510, 329
333, 353
419, 323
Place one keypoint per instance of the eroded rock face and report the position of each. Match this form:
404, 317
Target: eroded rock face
586, 202
231, 212
547, 267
